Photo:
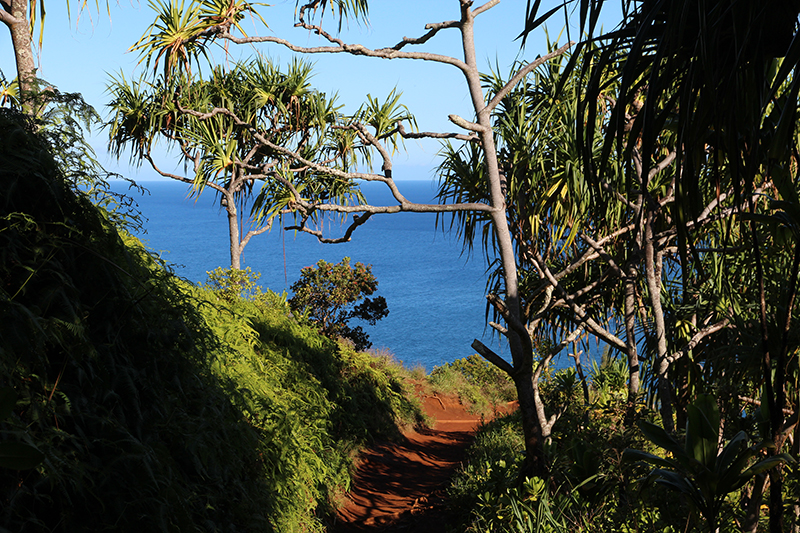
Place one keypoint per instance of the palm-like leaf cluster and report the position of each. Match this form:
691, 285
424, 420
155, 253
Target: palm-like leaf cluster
245, 131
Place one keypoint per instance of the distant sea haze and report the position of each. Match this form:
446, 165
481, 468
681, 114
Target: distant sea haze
435, 294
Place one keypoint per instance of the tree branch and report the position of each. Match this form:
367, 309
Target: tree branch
357, 221
521, 73
695, 340
590, 323
467, 125
7, 18
340, 47
493, 358
430, 135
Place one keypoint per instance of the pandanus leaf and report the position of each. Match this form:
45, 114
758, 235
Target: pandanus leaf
638, 455
702, 430
658, 436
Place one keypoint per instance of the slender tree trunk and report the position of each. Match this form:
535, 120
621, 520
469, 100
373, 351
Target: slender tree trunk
19, 27
775, 415
630, 333
653, 278
520, 348
233, 231
751, 503
531, 428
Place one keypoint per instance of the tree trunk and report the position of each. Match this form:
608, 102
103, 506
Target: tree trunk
521, 352
233, 231
630, 333
23, 54
653, 278
751, 503
535, 464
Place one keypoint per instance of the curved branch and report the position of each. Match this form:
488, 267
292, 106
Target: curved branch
252, 233
695, 340
357, 221
521, 73
184, 179
339, 47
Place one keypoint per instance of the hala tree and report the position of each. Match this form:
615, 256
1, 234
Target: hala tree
327, 295
723, 77
376, 132
235, 111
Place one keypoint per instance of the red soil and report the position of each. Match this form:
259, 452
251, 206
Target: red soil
401, 486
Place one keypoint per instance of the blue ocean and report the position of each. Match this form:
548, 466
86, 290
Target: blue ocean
434, 292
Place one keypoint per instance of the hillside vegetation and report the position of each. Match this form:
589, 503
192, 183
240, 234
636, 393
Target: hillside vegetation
157, 405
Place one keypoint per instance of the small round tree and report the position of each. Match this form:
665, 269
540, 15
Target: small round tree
327, 295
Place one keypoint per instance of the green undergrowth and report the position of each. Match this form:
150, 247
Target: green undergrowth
589, 487
315, 402
479, 385
159, 406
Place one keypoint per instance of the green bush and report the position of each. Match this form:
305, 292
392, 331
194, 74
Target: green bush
480, 385
589, 487
159, 406
110, 363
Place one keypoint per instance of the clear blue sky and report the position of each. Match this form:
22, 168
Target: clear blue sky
79, 54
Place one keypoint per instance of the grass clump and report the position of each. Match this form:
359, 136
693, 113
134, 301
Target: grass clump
479, 385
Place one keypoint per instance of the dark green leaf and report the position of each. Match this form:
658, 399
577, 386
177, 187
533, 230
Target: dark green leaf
19, 456
8, 399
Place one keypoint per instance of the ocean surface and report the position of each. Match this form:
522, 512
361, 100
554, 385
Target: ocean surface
435, 294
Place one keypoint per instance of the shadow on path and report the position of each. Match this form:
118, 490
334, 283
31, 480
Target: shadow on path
401, 486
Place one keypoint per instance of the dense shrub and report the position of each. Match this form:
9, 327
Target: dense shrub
160, 406
589, 488
481, 386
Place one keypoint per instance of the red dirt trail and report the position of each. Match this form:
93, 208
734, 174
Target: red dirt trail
401, 486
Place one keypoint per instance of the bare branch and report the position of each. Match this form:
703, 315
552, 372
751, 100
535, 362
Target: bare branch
7, 18
590, 323
493, 358
664, 163
521, 73
253, 233
467, 125
430, 135
498, 328
485, 7
357, 221
433, 28
177, 177
695, 340
545, 422
513, 322
605, 255
757, 403
342, 48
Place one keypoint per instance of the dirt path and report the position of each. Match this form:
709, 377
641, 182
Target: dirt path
400, 486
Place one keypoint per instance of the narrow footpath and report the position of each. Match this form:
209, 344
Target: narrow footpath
401, 486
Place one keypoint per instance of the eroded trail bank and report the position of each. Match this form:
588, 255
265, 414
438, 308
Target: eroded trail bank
401, 486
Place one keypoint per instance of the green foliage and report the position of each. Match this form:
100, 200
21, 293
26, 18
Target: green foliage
159, 406
477, 383
14, 454
110, 365
589, 487
232, 283
327, 294
699, 469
